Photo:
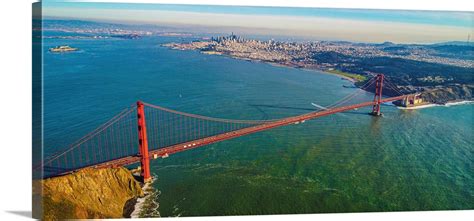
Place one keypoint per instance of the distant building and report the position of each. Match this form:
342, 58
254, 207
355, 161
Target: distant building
412, 100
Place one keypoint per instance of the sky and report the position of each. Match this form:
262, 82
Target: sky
313, 23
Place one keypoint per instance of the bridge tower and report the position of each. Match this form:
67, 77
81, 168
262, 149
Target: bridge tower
378, 95
143, 143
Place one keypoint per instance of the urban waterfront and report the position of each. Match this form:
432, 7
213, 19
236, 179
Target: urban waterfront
406, 160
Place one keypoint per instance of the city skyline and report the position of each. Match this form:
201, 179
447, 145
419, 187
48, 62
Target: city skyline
313, 23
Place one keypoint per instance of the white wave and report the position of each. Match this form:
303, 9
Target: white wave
437, 105
458, 103
140, 204
388, 104
419, 107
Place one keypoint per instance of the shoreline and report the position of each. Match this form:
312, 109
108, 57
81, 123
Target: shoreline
273, 63
146, 206
139, 204
276, 64
352, 80
448, 104
455, 103
319, 71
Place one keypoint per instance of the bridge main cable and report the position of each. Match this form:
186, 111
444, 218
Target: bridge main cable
85, 138
222, 120
186, 131
269, 125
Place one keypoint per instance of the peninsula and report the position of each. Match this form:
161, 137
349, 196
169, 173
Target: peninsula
441, 72
91, 194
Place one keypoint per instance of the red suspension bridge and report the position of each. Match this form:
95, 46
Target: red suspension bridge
138, 134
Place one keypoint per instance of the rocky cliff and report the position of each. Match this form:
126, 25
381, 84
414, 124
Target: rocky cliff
435, 95
449, 93
90, 193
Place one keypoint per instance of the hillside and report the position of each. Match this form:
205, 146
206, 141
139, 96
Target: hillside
90, 193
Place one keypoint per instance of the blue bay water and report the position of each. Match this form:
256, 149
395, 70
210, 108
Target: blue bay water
405, 160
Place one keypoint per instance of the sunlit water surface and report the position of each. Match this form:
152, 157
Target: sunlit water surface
405, 160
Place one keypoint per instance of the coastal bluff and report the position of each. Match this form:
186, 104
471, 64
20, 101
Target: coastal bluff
90, 193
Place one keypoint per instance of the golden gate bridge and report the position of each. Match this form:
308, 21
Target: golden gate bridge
146, 131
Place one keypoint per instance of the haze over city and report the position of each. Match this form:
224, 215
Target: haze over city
310, 23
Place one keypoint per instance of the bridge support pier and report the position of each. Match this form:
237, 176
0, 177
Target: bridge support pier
143, 143
378, 95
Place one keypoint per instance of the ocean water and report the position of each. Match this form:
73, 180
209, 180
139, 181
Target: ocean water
349, 162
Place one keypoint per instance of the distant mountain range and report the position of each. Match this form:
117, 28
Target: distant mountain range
53, 22
458, 43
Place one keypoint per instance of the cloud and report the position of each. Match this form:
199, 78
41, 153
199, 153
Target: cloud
310, 27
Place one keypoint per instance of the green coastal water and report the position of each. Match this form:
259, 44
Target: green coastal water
405, 160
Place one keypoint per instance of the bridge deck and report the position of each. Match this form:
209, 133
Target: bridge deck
163, 152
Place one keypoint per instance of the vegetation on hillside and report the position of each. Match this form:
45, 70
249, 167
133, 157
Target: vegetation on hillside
356, 77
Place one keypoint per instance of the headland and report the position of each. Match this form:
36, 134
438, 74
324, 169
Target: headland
435, 71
